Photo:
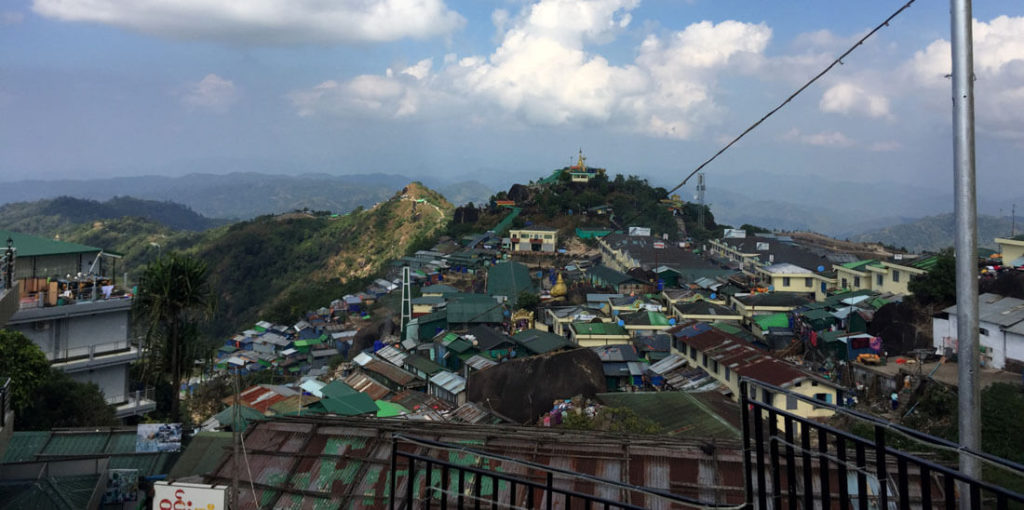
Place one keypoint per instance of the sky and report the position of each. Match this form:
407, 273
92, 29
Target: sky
501, 91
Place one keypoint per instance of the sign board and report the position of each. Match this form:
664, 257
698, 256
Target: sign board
658, 245
735, 233
640, 231
122, 486
761, 246
190, 496
158, 437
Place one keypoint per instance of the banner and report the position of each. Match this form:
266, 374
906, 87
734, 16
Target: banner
189, 496
158, 437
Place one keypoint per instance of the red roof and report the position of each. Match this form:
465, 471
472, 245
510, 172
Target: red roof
743, 358
258, 398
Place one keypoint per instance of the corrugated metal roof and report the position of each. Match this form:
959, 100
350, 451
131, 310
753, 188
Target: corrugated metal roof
34, 246
449, 381
365, 384
478, 362
327, 462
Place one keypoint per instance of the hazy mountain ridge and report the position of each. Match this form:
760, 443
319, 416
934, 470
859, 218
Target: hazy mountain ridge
51, 217
242, 195
935, 233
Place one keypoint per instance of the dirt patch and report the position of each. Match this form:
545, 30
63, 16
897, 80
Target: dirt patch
524, 389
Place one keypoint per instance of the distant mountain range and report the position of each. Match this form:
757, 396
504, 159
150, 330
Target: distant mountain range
55, 215
934, 233
244, 195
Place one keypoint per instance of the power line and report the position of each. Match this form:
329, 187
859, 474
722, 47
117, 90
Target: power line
838, 60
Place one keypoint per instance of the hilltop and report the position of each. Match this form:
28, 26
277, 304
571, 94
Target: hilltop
280, 266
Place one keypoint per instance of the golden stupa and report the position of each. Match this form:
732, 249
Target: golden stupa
559, 289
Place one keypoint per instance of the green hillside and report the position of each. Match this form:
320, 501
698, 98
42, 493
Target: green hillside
58, 215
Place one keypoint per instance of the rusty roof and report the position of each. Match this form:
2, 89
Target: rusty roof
390, 372
365, 384
330, 462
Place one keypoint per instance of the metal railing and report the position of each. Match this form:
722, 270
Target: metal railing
419, 480
791, 461
5, 402
89, 352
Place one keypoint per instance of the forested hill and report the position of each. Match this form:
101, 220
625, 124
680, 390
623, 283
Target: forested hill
56, 216
277, 267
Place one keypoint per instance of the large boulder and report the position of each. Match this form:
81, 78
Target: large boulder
524, 389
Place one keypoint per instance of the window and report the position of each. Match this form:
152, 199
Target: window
824, 397
878, 279
814, 383
809, 282
798, 383
895, 275
790, 402
693, 352
766, 396
785, 281
856, 281
727, 374
714, 366
983, 331
705, 361
844, 285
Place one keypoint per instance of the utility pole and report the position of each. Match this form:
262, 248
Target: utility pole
235, 419
406, 302
969, 395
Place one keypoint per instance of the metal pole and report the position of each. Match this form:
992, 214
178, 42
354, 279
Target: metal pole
966, 235
235, 419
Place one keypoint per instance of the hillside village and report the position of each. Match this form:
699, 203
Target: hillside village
556, 305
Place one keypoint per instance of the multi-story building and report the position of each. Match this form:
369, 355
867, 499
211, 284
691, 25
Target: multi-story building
880, 276
77, 317
533, 239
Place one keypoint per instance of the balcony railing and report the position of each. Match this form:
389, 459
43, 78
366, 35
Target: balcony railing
427, 480
89, 352
5, 402
791, 461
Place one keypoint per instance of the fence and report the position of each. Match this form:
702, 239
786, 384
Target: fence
793, 462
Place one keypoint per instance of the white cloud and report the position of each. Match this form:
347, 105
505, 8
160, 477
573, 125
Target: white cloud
999, 71
11, 17
543, 72
391, 95
847, 98
823, 139
212, 93
265, 21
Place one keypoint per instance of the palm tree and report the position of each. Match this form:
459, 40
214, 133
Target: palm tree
174, 296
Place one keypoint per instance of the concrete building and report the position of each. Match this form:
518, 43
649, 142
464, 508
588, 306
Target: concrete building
880, 276
78, 319
1000, 331
533, 240
1012, 251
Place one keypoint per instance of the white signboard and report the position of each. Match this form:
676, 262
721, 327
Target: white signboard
735, 233
640, 231
190, 496
759, 246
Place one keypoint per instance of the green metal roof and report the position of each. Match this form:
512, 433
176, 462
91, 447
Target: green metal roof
337, 389
598, 328
456, 343
775, 320
509, 279
348, 405
24, 445
860, 264
246, 415
33, 246
423, 364
202, 455
926, 263
387, 409
540, 342
474, 308
57, 493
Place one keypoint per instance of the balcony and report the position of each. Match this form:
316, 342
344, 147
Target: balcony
134, 403
32, 311
94, 356
788, 462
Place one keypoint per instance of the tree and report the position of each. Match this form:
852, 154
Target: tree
174, 295
938, 285
60, 401
24, 362
528, 301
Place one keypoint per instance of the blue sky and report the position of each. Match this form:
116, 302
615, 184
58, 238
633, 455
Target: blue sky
499, 91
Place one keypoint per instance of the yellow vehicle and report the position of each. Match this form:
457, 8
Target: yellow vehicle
869, 359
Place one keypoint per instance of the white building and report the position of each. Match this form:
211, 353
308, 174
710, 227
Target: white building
1000, 331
